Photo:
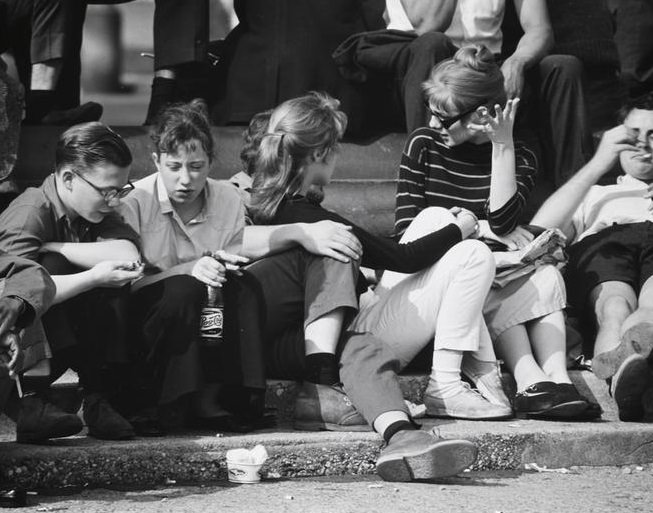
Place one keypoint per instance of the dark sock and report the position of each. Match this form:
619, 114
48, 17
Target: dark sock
395, 427
163, 94
322, 369
39, 103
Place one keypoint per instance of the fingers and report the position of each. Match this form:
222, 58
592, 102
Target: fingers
353, 244
332, 253
230, 258
455, 210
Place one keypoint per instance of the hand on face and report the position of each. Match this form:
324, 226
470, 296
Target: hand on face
498, 128
613, 142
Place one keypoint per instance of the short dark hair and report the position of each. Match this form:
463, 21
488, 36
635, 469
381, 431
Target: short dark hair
643, 102
178, 125
88, 145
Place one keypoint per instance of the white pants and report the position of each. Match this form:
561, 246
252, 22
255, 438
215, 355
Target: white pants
443, 303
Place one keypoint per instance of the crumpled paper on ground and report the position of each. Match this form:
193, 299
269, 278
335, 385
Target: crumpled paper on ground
256, 456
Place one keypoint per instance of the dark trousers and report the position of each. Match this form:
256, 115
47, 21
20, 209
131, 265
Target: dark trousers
165, 338
406, 65
553, 107
88, 333
42, 30
297, 288
181, 32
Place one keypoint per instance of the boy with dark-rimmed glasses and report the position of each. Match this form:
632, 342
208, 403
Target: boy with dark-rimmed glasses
70, 226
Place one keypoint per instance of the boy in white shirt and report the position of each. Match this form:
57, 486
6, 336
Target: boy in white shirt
611, 256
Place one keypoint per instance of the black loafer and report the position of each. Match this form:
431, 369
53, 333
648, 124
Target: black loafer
546, 401
568, 392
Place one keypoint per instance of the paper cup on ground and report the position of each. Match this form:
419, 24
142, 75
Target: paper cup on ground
243, 465
243, 472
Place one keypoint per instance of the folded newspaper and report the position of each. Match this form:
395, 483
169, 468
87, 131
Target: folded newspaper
546, 248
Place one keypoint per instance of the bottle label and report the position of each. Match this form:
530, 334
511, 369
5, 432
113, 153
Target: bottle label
211, 323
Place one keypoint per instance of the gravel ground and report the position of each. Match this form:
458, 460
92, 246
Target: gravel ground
578, 489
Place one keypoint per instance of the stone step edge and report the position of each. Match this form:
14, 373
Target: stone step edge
82, 462
280, 394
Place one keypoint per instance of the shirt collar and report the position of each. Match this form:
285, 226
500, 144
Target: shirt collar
631, 181
52, 194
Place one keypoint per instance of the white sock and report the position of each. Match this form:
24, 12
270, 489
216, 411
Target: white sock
445, 373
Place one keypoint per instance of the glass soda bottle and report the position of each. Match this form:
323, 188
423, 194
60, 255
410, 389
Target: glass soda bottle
212, 317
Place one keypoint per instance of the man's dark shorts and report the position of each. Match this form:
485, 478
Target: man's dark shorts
617, 253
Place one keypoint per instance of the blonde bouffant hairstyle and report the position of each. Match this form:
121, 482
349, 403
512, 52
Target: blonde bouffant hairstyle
298, 129
470, 77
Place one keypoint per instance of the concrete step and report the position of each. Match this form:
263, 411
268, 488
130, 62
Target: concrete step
195, 457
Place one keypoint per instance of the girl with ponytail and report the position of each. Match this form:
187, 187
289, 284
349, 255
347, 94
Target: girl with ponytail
440, 302
467, 158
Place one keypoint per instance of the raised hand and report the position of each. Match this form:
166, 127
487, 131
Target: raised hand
613, 142
498, 128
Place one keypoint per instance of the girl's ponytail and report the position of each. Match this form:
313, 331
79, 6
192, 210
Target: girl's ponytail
298, 130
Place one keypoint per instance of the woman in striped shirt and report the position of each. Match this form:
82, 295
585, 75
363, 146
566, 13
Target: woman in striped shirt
467, 158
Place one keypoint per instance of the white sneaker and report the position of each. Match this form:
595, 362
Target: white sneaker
489, 384
465, 404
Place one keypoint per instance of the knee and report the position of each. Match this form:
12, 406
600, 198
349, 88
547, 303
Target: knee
566, 67
614, 307
428, 221
431, 47
476, 253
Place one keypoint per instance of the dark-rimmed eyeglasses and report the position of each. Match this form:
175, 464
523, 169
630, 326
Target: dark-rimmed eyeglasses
111, 194
446, 122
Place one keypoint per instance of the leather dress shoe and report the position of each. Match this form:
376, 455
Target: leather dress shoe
103, 421
326, 407
546, 400
630, 382
39, 420
89, 111
635, 340
466, 404
414, 454
568, 392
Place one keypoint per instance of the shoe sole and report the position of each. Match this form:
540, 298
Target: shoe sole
635, 340
327, 426
442, 459
565, 411
32, 438
630, 382
444, 415
120, 436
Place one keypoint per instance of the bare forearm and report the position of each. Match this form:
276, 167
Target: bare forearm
503, 184
71, 285
533, 46
558, 209
87, 254
260, 241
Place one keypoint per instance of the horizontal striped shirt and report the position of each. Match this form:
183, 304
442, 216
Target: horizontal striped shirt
433, 174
